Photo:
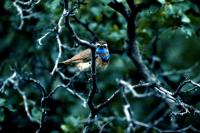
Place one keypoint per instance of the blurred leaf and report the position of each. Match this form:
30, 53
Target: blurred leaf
169, 9
106, 1
161, 1
2, 116
138, 1
120, 0
65, 128
187, 31
2, 101
95, 11
185, 19
71, 120
10, 107
54, 132
36, 113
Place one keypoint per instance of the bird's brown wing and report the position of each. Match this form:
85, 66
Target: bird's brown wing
83, 56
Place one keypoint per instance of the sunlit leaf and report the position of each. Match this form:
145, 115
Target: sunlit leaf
185, 19
187, 31
161, 1
169, 9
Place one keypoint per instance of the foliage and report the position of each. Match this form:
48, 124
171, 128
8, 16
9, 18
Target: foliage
39, 96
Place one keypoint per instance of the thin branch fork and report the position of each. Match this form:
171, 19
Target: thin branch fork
131, 88
15, 79
131, 4
109, 100
133, 51
96, 109
86, 26
132, 122
128, 113
78, 40
119, 7
42, 101
183, 84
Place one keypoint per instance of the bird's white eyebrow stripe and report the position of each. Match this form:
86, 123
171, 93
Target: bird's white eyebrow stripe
97, 44
104, 44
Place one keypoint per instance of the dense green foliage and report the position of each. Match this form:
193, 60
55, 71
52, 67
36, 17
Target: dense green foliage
175, 22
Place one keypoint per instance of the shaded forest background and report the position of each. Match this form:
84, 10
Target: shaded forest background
38, 96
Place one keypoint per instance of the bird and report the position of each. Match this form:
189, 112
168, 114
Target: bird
82, 60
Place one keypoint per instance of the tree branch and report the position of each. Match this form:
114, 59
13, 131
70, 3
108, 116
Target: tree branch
131, 4
183, 84
109, 100
133, 51
86, 26
68, 13
119, 7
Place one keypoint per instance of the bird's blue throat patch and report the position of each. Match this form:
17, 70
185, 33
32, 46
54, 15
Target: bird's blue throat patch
102, 52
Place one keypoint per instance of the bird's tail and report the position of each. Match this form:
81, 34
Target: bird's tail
66, 62
63, 66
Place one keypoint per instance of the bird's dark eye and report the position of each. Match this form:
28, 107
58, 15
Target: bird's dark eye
104, 46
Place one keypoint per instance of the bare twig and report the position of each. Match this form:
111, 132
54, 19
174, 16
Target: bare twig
59, 43
68, 13
183, 84
86, 26
26, 106
109, 100
19, 10
18, 5
142, 85
8, 80
128, 113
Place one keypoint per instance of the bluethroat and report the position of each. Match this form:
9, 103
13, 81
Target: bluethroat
82, 60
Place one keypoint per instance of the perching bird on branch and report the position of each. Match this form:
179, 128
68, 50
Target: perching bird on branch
82, 60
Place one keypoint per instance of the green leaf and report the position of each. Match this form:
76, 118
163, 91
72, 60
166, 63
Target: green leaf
138, 1
161, 1
65, 128
36, 113
106, 1
96, 11
185, 19
187, 31
74, 121
2, 101
169, 9
54, 131
10, 108
2, 116
120, 0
